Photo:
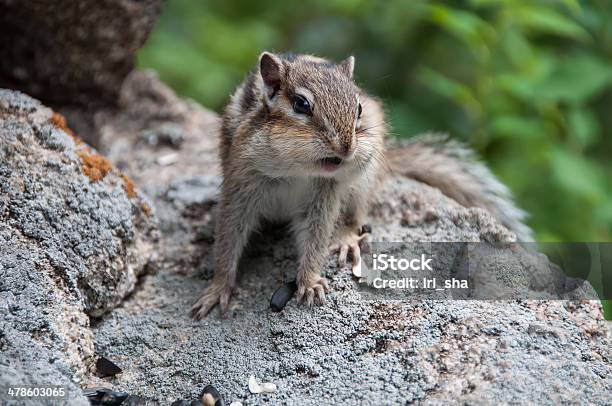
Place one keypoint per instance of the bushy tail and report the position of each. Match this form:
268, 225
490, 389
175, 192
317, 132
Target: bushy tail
454, 169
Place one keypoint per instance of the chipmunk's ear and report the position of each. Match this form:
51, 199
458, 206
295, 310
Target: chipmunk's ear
347, 66
270, 68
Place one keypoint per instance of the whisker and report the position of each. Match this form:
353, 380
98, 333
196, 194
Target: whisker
361, 130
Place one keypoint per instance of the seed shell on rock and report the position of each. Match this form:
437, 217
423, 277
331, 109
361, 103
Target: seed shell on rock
104, 396
211, 393
106, 367
255, 387
268, 387
282, 296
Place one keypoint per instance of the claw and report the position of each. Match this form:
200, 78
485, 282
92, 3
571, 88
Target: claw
309, 297
301, 293
313, 294
214, 295
319, 293
202, 307
224, 302
343, 254
351, 243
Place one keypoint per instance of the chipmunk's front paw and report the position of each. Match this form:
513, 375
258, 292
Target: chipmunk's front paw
313, 292
214, 294
349, 242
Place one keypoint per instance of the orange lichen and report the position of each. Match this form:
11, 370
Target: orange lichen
128, 186
59, 121
95, 166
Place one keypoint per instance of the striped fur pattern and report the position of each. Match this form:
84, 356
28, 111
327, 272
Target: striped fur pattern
274, 169
273, 166
453, 168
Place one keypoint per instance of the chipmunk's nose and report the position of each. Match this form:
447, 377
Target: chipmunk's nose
345, 151
342, 145
347, 147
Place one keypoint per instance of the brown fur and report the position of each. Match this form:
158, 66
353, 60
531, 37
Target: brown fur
272, 166
272, 159
451, 167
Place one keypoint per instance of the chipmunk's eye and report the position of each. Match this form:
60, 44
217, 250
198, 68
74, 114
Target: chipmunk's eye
359, 110
301, 105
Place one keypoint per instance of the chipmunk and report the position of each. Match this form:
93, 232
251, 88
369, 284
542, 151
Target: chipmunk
302, 143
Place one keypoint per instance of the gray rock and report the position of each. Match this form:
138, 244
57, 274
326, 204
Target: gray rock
350, 351
74, 236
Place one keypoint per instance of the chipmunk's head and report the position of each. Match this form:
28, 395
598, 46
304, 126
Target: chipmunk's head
313, 113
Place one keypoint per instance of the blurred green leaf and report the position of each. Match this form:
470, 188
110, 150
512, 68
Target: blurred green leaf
450, 88
518, 86
576, 80
607, 306
577, 175
467, 27
408, 121
584, 126
517, 126
573, 5
486, 3
547, 21
518, 49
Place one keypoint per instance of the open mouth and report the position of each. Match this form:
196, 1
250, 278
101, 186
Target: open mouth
331, 164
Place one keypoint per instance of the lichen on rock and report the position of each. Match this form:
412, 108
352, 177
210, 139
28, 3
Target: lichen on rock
75, 233
350, 351
72, 244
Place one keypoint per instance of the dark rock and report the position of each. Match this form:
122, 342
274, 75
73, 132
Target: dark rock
105, 367
68, 53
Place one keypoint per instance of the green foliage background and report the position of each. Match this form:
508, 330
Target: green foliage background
528, 83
